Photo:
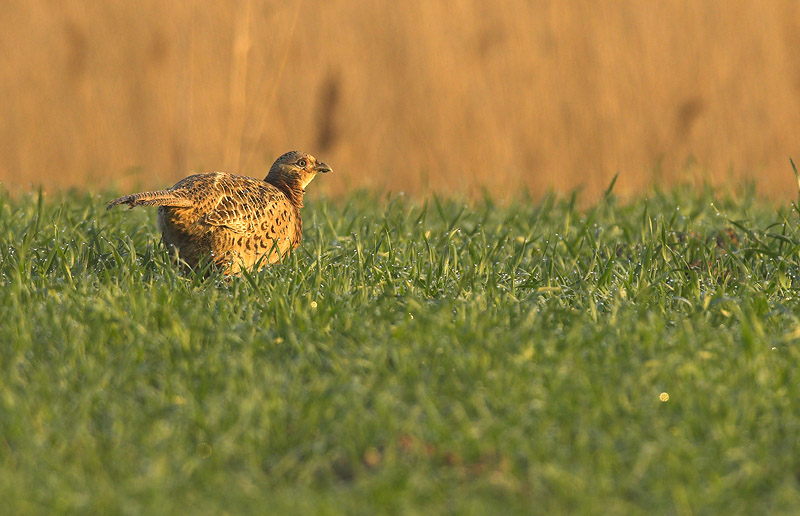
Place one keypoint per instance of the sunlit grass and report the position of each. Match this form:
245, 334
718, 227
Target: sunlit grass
410, 358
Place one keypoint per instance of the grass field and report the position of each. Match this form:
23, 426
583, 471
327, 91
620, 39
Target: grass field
435, 357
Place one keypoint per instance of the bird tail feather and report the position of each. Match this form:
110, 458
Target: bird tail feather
157, 198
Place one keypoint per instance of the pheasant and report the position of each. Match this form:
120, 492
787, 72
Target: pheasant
234, 221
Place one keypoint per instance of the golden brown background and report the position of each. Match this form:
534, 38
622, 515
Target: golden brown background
413, 95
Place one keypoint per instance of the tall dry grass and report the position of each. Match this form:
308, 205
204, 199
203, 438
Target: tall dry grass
415, 95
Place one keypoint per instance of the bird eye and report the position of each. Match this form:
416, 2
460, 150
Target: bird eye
302, 163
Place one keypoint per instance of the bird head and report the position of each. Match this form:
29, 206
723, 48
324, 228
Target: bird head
296, 168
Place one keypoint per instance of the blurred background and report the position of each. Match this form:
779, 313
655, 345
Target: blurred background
415, 96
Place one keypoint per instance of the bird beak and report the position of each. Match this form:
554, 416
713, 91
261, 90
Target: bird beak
322, 167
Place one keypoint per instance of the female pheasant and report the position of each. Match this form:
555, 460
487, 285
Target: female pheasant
234, 221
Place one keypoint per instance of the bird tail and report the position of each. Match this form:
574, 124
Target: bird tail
157, 198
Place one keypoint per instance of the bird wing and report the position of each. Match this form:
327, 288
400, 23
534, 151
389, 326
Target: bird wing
243, 208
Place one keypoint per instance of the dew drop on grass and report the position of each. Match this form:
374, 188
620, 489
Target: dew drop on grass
204, 450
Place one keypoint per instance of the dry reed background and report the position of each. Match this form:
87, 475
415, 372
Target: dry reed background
413, 96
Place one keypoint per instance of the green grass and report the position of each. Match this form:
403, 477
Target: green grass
411, 357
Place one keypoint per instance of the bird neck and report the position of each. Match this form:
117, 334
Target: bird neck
288, 185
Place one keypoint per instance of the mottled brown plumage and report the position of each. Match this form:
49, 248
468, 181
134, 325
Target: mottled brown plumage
235, 221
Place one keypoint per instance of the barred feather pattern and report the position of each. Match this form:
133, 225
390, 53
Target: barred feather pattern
157, 198
234, 221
